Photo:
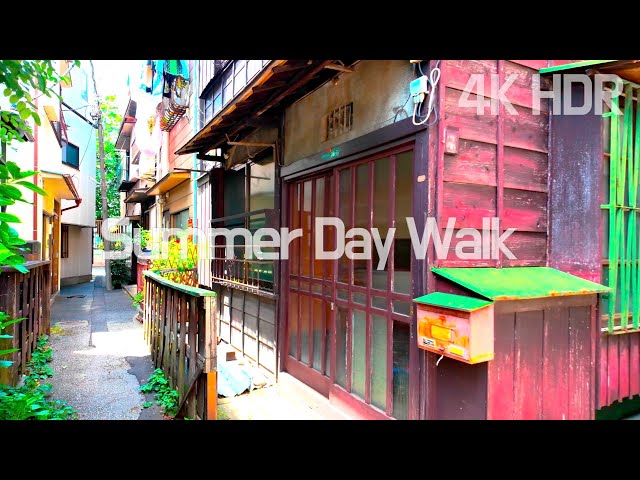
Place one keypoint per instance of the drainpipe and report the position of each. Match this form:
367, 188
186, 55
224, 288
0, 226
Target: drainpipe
194, 82
78, 202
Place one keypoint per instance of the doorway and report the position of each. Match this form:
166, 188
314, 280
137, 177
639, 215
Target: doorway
348, 322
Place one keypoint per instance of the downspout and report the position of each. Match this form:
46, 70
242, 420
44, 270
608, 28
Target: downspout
69, 181
194, 80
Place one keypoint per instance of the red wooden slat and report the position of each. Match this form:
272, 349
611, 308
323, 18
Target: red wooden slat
500, 212
634, 364
529, 248
500, 398
623, 349
471, 125
555, 374
532, 64
603, 372
474, 163
528, 375
614, 369
469, 204
581, 364
525, 211
525, 169
526, 130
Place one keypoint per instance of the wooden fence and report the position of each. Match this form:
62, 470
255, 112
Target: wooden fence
180, 324
24, 295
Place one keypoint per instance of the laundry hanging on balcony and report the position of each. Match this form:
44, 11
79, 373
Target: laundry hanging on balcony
171, 81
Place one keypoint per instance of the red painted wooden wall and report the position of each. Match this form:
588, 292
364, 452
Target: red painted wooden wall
619, 368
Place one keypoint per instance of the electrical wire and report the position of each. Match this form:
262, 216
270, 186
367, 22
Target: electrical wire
63, 75
433, 78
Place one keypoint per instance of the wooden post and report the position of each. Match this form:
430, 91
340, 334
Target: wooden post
8, 376
210, 366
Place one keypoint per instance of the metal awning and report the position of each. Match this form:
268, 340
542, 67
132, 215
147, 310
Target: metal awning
127, 185
123, 142
517, 283
449, 300
276, 86
169, 181
59, 185
626, 69
137, 195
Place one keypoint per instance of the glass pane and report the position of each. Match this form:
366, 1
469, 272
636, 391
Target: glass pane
363, 213
293, 325
253, 67
306, 228
380, 302
233, 197
400, 370
318, 333
262, 184
305, 322
341, 347
379, 361
402, 244
342, 294
294, 246
402, 307
344, 212
381, 214
359, 298
318, 265
358, 353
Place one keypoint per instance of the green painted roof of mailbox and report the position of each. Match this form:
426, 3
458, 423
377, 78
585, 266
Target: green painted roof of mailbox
457, 302
516, 283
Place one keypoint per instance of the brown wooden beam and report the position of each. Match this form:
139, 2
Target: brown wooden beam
298, 81
268, 86
340, 68
287, 67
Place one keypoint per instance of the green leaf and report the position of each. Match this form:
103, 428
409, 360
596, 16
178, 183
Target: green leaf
13, 169
5, 363
25, 113
7, 92
20, 106
10, 191
8, 351
12, 321
14, 98
36, 118
33, 187
9, 218
5, 336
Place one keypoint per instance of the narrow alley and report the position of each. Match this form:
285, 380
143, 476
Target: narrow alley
100, 357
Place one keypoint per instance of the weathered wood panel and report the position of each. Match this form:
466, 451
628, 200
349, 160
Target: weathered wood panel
529, 248
528, 353
525, 169
582, 339
475, 163
501, 371
461, 390
525, 211
469, 204
618, 368
555, 371
575, 214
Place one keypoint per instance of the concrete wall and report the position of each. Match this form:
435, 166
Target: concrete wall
83, 136
377, 88
77, 268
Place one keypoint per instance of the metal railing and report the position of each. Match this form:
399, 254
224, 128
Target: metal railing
241, 271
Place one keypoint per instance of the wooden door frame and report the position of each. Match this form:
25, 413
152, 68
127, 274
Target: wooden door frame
422, 370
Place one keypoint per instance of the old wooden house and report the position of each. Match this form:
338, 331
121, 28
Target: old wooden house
282, 143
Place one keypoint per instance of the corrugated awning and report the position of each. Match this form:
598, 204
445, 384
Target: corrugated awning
449, 300
518, 283
628, 70
169, 181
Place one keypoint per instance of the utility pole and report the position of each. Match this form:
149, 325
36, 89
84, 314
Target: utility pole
105, 213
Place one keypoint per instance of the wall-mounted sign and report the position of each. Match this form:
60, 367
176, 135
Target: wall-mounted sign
331, 153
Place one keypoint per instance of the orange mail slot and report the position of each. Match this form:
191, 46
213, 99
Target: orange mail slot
456, 326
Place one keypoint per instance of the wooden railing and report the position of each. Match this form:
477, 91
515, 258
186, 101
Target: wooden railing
24, 295
180, 324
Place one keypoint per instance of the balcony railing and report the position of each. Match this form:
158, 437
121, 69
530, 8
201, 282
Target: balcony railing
241, 271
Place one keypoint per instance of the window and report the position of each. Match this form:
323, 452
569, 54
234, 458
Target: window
181, 219
620, 264
338, 122
70, 155
226, 85
64, 242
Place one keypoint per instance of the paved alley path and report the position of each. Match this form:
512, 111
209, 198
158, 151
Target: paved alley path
100, 357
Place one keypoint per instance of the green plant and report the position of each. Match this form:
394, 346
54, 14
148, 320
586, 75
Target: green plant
166, 397
112, 161
147, 404
29, 402
138, 299
143, 238
172, 264
120, 273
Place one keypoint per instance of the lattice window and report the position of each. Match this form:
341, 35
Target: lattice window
64, 242
338, 122
621, 256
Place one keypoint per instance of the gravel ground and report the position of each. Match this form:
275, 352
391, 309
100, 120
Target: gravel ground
99, 354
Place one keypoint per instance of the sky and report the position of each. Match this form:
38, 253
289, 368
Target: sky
111, 78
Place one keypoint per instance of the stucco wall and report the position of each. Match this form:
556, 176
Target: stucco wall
78, 263
377, 88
